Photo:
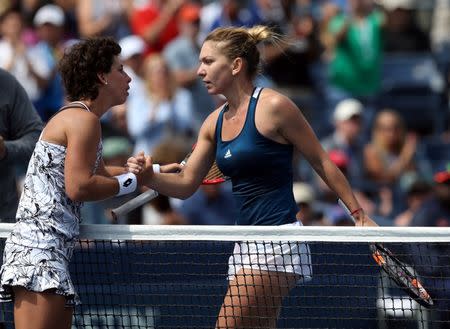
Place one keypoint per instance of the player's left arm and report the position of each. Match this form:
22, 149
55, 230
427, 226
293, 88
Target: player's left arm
294, 128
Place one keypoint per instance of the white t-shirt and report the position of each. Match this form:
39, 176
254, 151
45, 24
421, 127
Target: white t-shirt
20, 68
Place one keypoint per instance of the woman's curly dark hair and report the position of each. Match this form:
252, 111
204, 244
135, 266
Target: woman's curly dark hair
82, 62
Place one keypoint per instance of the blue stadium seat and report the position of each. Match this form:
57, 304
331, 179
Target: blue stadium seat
412, 85
437, 152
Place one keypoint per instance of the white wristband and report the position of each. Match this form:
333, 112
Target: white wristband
127, 183
156, 168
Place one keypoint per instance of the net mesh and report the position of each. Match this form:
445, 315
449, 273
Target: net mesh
177, 277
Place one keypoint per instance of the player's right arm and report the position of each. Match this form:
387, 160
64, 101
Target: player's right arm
184, 183
83, 133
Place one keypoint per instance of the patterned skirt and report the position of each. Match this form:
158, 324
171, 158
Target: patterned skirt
36, 270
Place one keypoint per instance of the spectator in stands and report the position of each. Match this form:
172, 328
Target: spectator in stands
326, 198
4, 5
389, 157
355, 64
181, 55
210, 205
418, 192
347, 137
156, 23
71, 26
209, 13
20, 127
390, 153
163, 210
292, 67
440, 34
233, 13
402, 33
15, 53
267, 12
103, 18
328, 10
49, 22
28, 8
132, 55
304, 196
163, 110
436, 210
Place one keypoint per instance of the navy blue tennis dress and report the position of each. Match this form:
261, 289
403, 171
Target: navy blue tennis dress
261, 174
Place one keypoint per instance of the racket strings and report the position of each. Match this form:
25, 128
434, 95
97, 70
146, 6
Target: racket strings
214, 173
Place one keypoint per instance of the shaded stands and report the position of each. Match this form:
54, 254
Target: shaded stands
413, 85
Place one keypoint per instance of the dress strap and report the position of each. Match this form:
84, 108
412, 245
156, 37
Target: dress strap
77, 104
256, 92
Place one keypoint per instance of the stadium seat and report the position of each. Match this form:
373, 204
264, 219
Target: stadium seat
437, 152
413, 85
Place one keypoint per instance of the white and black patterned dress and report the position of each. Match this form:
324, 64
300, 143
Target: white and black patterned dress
38, 251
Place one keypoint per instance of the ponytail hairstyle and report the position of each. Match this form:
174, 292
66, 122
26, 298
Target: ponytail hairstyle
242, 42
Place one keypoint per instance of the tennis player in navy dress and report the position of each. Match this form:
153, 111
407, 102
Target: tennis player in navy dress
252, 138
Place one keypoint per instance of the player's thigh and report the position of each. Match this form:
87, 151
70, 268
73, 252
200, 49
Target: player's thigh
254, 291
254, 298
265, 288
46, 310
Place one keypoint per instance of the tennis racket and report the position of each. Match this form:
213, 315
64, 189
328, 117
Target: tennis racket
401, 273
214, 176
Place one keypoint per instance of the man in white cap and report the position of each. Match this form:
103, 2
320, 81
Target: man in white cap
304, 198
49, 22
132, 56
347, 136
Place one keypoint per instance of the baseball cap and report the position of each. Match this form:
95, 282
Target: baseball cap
49, 14
347, 108
398, 4
339, 158
189, 13
303, 193
131, 45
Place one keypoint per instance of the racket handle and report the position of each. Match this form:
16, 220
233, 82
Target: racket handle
132, 204
342, 204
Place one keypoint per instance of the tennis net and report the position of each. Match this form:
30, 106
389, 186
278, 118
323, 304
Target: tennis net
142, 276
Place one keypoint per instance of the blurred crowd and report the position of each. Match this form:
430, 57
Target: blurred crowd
372, 78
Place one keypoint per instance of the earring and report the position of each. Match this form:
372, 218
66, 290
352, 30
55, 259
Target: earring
106, 82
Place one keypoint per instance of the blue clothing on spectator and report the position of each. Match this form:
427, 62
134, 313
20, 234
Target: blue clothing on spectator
199, 209
51, 99
182, 54
244, 18
260, 170
169, 117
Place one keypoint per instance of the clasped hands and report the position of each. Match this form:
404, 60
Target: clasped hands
143, 167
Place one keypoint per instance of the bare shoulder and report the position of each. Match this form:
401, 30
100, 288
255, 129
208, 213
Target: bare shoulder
275, 101
208, 127
71, 123
68, 123
279, 107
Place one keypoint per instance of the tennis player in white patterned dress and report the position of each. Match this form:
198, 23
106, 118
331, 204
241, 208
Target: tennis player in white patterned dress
65, 170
